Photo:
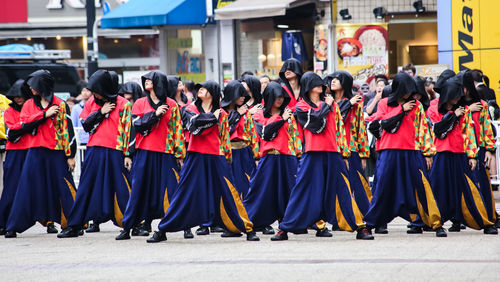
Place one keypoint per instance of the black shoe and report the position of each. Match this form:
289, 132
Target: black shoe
324, 233
203, 230
268, 230
414, 230
216, 229
336, 228
252, 236
147, 226
300, 232
229, 234
94, 227
10, 234
364, 234
188, 234
80, 232
157, 237
2, 231
139, 231
455, 227
497, 222
280, 236
462, 226
491, 230
381, 230
124, 235
68, 232
428, 229
440, 232
51, 229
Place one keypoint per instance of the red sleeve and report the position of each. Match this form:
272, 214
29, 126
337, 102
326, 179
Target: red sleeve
10, 119
384, 112
29, 113
87, 108
138, 108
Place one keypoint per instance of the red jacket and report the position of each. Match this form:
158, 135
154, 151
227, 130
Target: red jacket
277, 134
13, 123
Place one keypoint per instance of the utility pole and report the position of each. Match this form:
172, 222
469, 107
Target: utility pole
91, 57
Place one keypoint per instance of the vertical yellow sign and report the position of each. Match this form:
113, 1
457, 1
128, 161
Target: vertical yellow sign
466, 30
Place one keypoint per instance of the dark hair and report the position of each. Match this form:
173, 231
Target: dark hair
265, 76
246, 73
381, 77
486, 81
410, 67
189, 84
429, 82
477, 75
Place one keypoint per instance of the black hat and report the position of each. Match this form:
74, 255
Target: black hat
104, 83
274, 90
160, 84
43, 83
293, 65
131, 88
234, 90
308, 81
402, 84
445, 75
214, 90
255, 87
420, 82
345, 79
173, 85
451, 89
19, 89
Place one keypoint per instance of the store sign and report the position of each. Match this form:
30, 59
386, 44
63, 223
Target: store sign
187, 63
320, 49
362, 50
176, 43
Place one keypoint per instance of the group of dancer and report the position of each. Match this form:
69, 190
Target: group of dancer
238, 160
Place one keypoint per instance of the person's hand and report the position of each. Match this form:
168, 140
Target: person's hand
428, 161
52, 111
346, 163
329, 100
127, 162
107, 108
71, 163
242, 110
408, 106
217, 113
161, 110
489, 158
255, 109
476, 107
460, 111
378, 95
363, 163
356, 99
287, 114
472, 163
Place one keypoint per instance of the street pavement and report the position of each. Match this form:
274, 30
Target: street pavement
466, 256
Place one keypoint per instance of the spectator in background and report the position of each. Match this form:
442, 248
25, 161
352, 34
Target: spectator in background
372, 99
410, 69
189, 89
482, 89
83, 96
245, 73
264, 81
71, 101
429, 88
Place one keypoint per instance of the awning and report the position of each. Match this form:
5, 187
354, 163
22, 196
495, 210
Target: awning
244, 9
147, 13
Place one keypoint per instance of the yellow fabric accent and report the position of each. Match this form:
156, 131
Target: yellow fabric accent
224, 138
178, 136
321, 224
413, 217
248, 176
359, 138
239, 206
71, 189
469, 136
294, 143
355, 209
236, 145
124, 127
342, 142
469, 220
486, 136
273, 152
424, 138
4, 105
64, 221
126, 182
226, 220
366, 186
61, 130
176, 175
166, 203
118, 213
433, 219
341, 221
478, 200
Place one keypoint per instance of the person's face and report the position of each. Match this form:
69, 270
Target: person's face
86, 94
99, 96
240, 101
410, 72
317, 90
380, 86
290, 74
148, 84
417, 96
335, 85
34, 91
263, 83
129, 97
278, 102
407, 96
454, 101
180, 86
19, 100
203, 94
247, 88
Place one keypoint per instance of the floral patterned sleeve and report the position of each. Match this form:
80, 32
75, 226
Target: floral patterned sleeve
486, 136
294, 143
363, 147
225, 141
341, 135
251, 132
469, 135
424, 140
179, 142
124, 127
